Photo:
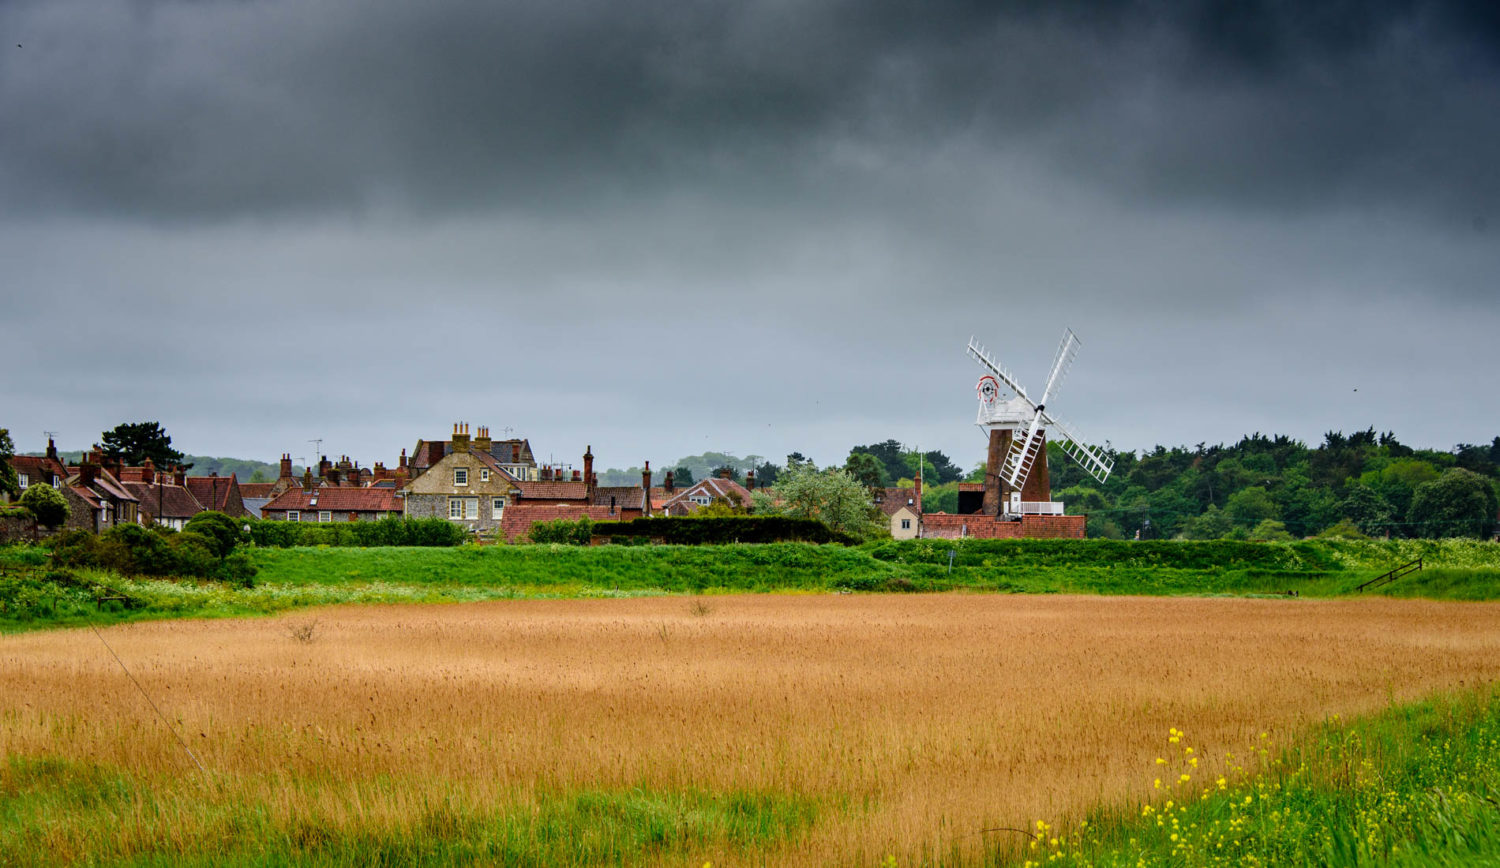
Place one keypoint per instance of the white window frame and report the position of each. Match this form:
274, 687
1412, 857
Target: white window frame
497, 507
484, 474
461, 476
325, 515
701, 499
25, 480
463, 508
294, 515
906, 524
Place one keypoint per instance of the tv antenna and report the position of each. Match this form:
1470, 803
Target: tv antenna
317, 446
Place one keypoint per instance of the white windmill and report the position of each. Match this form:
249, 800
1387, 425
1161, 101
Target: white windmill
1017, 435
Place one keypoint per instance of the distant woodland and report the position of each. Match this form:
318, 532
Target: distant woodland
1263, 487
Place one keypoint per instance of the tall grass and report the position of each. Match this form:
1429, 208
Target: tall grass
768, 728
1413, 785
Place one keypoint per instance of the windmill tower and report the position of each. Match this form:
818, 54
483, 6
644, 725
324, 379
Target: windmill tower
1016, 479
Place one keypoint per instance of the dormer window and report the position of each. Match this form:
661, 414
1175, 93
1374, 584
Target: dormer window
24, 480
460, 476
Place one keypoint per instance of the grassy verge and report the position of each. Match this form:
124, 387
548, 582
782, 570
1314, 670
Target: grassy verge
1415, 785
56, 811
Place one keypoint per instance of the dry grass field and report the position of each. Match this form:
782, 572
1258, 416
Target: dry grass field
900, 725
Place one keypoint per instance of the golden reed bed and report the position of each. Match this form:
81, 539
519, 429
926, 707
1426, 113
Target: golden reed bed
928, 718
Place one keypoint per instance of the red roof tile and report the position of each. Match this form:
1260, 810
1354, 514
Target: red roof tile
174, 501
256, 489
553, 491
212, 491
336, 500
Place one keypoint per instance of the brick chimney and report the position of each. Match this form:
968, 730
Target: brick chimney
324, 465
307, 483
515, 453
588, 470
95, 456
88, 471
667, 485
461, 437
179, 476
286, 466
402, 465
483, 443
726, 473
148, 472
577, 477
646, 477
51, 449
750, 480
546, 473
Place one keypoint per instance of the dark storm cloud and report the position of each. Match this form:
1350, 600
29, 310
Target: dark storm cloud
188, 110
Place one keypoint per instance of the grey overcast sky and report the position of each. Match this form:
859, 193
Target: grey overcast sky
756, 227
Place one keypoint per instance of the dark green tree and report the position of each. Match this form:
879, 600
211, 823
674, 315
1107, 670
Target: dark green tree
9, 485
867, 469
1251, 506
46, 504
1369, 511
766, 474
221, 532
722, 469
681, 477
132, 443
1458, 503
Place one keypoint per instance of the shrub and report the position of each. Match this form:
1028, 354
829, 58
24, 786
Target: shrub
723, 529
46, 503
390, 531
564, 531
220, 532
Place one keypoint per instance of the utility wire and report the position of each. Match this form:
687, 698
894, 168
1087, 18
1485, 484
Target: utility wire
165, 722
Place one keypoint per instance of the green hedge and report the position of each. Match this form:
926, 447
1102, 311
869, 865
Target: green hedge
721, 529
390, 531
1210, 554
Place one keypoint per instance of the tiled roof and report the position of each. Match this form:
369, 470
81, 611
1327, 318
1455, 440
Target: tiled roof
713, 488
174, 500
896, 498
337, 500
256, 489
421, 456
971, 486
626, 496
212, 491
551, 490
85, 495
36, 466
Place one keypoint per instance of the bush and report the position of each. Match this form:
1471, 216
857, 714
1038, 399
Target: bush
563, 531
723, 529
391, 531
221, 532
46, 503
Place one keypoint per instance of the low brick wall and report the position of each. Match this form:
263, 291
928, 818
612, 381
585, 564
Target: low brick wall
942, 525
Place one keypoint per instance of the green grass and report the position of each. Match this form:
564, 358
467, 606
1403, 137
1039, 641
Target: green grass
1415, 785
299, 577
55, 810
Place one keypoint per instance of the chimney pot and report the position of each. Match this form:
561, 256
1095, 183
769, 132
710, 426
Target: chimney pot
750, 480
667, 486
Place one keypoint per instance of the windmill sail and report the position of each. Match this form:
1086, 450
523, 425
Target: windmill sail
982, 356
1098, 464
